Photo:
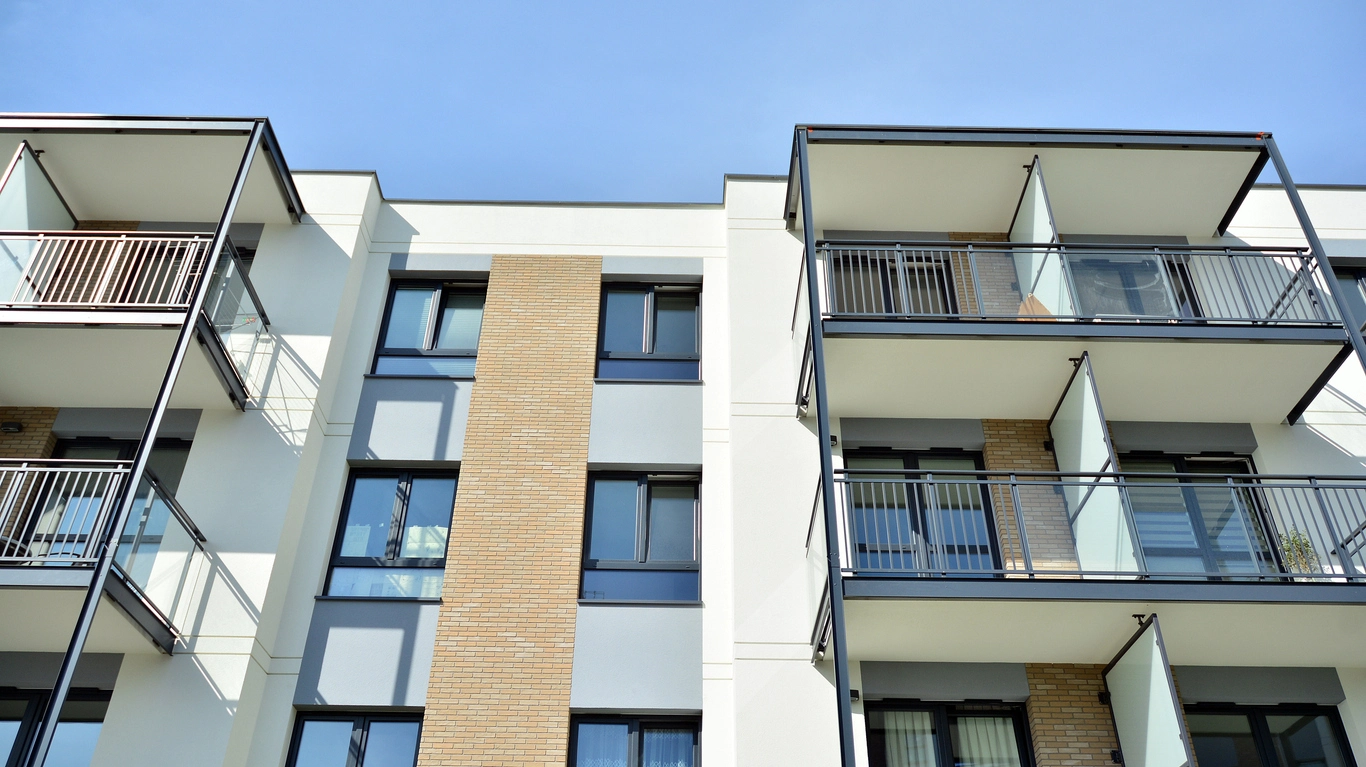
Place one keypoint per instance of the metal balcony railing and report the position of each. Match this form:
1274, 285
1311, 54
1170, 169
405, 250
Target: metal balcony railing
100, 270
1102, 526
59, 513
1033, 282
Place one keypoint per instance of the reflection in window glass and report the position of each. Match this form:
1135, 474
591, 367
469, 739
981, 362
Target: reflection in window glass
73, 744
613, 531
422, 582
324, 743
1223, 740
11, 716
408, 318
675, 323
391, 744
602, 744
461, 316
623, 327
672, 534
369, 517
428, 520
1304, 741
642, 585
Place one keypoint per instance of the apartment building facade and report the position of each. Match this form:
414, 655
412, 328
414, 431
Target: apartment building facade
952, 446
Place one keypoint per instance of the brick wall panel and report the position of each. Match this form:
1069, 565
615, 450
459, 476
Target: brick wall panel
1068, 725
1018, 446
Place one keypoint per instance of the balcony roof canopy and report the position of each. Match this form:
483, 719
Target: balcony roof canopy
970, 179
155, 169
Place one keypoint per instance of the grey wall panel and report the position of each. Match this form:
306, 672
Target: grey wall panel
637, 657
410, 419
439, 265
38, 670
645, 425
367, 653
944, 681
648, 268
1173, 437
1259, 685
122, 423
912, 433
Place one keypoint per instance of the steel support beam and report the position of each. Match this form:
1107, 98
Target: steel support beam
47, 724
1351, 324
832, 546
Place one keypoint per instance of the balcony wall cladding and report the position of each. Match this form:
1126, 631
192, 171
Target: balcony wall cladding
646, 426
637, 657
410, 419
367, 653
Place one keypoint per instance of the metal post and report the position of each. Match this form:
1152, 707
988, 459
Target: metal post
1351, 324
47, 724
837, 632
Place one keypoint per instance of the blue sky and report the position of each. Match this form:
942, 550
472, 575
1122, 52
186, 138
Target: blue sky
655, 101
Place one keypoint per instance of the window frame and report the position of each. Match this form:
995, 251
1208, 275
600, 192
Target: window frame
440, 290
399, 516
943, 712
648, 331
360, 731
1261, 735
635, 742
644, 483
36, 700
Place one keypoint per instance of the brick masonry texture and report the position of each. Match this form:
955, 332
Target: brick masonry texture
995, 277
499, 686
1068, 724
36, 440
1018, 446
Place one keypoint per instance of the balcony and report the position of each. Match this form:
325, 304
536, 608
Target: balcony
1115, 528
55, 516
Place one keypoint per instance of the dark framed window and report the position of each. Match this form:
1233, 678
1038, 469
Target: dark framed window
947, 735
1201, 523
430, 329
1270, 736
78, 727
942, 526
354, 740
626, 742
642, 538
391, 540
650, 332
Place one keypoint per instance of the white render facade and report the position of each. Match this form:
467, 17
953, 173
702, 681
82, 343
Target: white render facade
1177, 334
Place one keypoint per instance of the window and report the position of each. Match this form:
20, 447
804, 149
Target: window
619, 742
922, 735
430, 329
392, 538
641, 539
345, 740
73, 744
944, 526
1280, 736
649, 332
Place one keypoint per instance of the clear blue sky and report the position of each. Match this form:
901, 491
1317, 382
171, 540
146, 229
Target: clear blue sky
655, 101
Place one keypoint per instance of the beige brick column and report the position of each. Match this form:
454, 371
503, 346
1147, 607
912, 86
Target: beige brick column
36, 440
1018, 446
499, 686
1068, 724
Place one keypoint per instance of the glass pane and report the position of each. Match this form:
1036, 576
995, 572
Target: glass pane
1304, 741
443, 367
1113, 287
1223, 740
642, 585
461, 316
601, 744
675, 323
667, 747
955, 517
386, 582
650, 370
324, 744
672, 528
429, 518
901, 739
391, 744
613, 531
984, 741
11, 715
369, 516
168, 463
408, 318
623, 326
73, 745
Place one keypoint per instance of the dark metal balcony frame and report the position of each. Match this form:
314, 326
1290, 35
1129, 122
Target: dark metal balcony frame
799, 202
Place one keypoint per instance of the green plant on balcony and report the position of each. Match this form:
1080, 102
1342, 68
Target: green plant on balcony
1298, 552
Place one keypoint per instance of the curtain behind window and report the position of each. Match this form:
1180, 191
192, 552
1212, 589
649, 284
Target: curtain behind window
667, 747
985, 741
910, 738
